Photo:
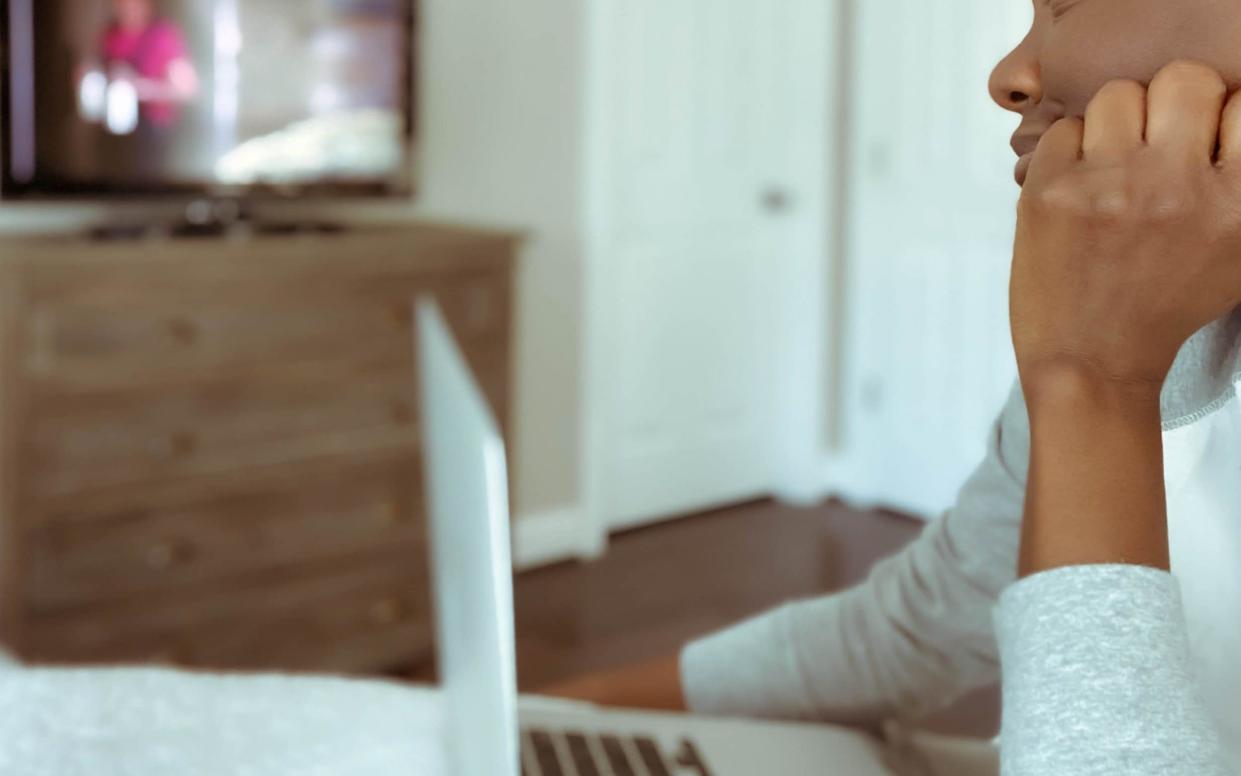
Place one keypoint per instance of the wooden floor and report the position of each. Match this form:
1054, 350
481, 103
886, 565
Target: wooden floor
659, 586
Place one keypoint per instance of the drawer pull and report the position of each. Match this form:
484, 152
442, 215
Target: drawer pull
386, 611
179, 445
184, 444
402, 414
183, 331
165, 555
401, 315
390, 513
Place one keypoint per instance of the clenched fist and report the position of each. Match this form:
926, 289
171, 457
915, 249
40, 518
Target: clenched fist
1129, 230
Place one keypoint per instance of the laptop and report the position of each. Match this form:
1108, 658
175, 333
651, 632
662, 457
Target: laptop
488, 731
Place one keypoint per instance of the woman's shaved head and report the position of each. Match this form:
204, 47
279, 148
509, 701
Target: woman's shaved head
133, 14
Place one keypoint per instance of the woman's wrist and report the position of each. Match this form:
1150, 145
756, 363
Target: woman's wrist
1095, 493
1066, 387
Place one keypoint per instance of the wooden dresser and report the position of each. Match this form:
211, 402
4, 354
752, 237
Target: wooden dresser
211, 450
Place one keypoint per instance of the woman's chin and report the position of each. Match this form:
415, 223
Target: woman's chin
1022, 169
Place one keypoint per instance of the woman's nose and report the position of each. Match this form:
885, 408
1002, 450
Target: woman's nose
1016, 83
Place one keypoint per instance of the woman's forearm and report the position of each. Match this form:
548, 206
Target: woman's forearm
1095, 493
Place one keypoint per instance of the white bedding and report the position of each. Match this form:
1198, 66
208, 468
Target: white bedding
142, 722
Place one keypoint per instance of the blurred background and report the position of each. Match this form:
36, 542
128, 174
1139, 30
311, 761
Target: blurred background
733, 275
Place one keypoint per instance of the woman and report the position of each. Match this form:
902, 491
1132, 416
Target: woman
144, 61
1113, 273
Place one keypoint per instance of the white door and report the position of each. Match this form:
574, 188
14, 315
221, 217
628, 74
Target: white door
707, 179
932, 207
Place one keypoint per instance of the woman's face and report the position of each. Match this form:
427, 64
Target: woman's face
1076, 46
132, 14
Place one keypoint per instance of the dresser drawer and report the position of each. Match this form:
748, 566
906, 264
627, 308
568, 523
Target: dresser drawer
375, 614
121, 340
82, 559
104, 341
80, 443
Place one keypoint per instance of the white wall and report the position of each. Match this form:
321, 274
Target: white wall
502, 109
501, 138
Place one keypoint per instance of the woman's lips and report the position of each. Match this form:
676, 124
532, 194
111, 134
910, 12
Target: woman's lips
1024, 143
1023, 168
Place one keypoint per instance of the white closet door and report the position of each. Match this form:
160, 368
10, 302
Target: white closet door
929, 359
708, 138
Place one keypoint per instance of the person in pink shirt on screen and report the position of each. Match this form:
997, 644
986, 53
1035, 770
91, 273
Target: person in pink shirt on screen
150, 52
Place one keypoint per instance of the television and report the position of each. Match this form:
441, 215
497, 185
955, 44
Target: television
210, 99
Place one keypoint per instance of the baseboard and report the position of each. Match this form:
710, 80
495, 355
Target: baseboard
843, 479
552, 536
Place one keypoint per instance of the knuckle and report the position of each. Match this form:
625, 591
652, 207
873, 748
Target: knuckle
1058, 198
1110, 203
1121, 90
1101, 202
1069, 125
1064, 132
1188, 73
1090, 201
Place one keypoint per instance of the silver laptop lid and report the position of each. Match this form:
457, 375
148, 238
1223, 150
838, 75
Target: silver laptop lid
471, 565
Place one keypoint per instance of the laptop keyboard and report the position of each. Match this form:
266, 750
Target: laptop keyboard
548, 753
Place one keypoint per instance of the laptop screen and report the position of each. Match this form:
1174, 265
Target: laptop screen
467, 488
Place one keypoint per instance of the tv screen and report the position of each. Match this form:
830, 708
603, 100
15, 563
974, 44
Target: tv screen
215, 97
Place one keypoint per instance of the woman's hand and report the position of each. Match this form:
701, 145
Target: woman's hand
1129, 232
1128, 242
655, 684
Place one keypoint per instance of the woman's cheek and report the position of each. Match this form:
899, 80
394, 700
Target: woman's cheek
1081, 54
1069, 80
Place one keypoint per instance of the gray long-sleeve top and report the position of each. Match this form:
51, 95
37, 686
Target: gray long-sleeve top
1098, 678
919, 632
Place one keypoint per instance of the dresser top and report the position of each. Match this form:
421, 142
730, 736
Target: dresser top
431, 244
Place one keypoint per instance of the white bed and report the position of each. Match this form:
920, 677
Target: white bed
139, 722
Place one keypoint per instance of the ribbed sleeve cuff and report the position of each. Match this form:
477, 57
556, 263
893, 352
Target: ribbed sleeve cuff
1097, 677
